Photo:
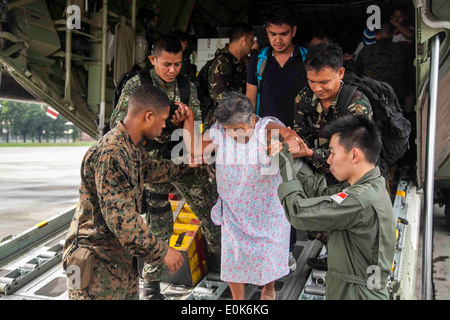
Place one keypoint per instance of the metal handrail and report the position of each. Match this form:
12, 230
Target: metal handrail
427, 260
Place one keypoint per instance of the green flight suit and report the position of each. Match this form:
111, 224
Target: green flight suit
359, 221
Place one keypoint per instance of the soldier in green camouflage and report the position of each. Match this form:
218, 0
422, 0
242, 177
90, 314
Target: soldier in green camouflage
315, 106
195, 184
228, 72
107, 233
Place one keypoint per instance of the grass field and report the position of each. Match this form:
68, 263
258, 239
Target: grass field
44, 144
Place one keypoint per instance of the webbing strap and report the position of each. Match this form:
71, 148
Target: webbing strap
262, 61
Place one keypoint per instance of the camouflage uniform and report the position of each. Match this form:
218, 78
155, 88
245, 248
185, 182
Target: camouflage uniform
385, 61
195, 184
107, 220
226, 74
310, 120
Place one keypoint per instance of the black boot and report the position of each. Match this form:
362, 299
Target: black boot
152, 291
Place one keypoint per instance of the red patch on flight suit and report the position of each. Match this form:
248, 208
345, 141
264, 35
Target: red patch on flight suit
339, 197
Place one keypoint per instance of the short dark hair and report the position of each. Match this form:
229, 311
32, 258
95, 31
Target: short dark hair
238, 30
324, 55
280, 15
167, 42
319, 34
147, 97
356, 131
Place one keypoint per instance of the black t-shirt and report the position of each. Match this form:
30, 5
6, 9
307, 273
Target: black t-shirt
280, 85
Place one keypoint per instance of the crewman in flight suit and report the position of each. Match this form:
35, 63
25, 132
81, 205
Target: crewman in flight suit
356, 214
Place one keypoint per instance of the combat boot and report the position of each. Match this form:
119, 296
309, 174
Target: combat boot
152, 291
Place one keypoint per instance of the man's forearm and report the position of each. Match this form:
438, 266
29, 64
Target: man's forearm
192, 139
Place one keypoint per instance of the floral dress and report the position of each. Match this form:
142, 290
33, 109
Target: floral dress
255, 231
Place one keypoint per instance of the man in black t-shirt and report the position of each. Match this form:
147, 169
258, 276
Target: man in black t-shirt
284, 74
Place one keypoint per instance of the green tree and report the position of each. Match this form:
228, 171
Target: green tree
5, 119
30, 120
20, 123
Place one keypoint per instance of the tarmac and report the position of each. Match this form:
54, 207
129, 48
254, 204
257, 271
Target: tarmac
38, 182
441, 258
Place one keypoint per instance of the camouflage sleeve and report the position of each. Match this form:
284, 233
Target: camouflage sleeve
319, 158
117, 199
360, 105
299, 123
219, 78
120, 111
163, 170
194, 103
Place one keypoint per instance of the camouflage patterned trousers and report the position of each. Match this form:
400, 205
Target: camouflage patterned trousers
200, 194
122, 285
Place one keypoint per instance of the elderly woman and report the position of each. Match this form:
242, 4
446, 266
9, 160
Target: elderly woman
255, 232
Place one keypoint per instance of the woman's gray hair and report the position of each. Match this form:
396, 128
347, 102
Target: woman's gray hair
234, 108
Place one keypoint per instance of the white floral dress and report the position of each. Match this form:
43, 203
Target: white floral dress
255, 231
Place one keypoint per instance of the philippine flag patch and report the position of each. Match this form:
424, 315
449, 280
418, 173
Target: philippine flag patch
339, 197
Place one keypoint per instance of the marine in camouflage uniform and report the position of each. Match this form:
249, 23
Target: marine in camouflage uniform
310, 120
107, 220
194, 184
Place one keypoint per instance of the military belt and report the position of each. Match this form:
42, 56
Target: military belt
156, 196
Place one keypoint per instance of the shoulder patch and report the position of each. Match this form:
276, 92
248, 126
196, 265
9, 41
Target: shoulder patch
339, 197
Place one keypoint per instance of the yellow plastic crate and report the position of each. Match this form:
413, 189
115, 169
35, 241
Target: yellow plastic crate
187, 238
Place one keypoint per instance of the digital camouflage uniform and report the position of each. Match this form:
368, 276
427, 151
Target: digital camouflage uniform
195, 184
226, 74
108, 216
385, 61
359, 221
310, 120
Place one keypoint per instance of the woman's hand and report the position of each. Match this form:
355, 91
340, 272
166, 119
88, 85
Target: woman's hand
274, 147
297, 146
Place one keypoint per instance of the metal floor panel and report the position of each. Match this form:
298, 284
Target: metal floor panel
52, 285
289, 287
